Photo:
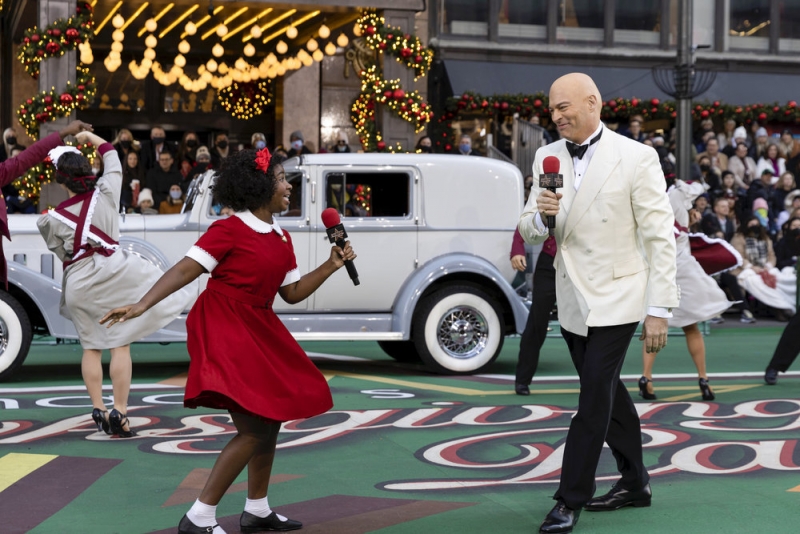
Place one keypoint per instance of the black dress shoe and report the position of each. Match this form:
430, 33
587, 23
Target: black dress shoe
619, 497
643, 393
522, 389
187, 527
560, 520
771, 376
252, 523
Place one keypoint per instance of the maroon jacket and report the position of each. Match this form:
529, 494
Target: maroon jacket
10, 170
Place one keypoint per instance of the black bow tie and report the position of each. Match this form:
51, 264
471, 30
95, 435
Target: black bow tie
577, 151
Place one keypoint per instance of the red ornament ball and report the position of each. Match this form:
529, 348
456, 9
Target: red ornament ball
66, 98
792, 104
381, 145
370, 30
634, 102
48, 99
406, 52
35, 37
613, 103
762, 116
382, 45
55, 32
704, 113
537, 103
398, 94
29, 101
418, 59
448, 147
387, 93
654, 102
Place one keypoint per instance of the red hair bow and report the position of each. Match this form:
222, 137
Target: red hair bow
262, 159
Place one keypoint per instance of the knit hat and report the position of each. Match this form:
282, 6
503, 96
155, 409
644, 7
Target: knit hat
790, 199
740, 133
768, 170
145, 194
297, 135
202, 151
762, 132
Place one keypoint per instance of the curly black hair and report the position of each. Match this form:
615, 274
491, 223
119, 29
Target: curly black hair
71, 166
241, 185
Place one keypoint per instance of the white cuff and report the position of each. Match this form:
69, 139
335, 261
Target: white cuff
291, 277
663, 313
538, 223
202, 257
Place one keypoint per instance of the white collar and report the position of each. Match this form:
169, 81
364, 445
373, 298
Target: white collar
257, 224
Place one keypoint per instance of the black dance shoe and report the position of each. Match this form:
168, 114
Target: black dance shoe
561, 520
522, 389
705, 389
618, 498
187, 527
771, 376
252, 523
117, 422
643, 393
99, 418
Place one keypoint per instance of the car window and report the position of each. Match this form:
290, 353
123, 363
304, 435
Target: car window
296, 198
369, 194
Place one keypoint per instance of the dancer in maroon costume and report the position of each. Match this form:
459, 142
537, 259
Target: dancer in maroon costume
243, 359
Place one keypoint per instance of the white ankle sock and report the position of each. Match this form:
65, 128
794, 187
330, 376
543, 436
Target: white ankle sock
204, 515
260, 508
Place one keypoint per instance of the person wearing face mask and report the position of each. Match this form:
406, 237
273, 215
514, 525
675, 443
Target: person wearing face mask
465, 146
342, 146
258, 141
174, 202
188, 148
424, 145
221, 150
8, 144
124, 143
298, 144
152, 149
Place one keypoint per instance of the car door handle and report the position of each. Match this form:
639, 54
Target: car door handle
313, 192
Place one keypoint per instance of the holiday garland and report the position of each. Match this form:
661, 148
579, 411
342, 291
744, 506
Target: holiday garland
613, 110
375, 90
245, 100
55, 40
30, 184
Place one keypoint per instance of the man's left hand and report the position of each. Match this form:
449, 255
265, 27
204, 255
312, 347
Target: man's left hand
654, 334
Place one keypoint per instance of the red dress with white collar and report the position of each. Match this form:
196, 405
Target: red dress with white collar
243, 358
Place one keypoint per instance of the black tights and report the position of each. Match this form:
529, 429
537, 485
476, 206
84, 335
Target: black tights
253, 446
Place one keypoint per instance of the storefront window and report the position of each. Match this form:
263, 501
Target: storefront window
522, 19
464, 17
637, 22
749, 24
790, 26
580, 20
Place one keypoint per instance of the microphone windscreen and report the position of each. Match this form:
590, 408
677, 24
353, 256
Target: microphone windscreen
551, 165
330, 217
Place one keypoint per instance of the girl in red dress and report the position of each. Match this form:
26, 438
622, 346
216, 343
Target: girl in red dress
243, 359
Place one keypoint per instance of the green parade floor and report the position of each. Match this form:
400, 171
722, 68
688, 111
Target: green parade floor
404, 451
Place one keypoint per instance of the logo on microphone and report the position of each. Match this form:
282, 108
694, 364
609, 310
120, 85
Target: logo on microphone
337, 234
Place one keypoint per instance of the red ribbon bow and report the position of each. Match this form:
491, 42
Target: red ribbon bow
262, 159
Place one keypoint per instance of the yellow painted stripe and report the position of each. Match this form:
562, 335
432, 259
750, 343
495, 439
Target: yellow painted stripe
15, 466
795, 489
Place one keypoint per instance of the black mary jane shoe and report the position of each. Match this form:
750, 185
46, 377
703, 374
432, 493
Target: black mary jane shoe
249, 523
117, 422
705, 389
100, 419
643, 393
187, 527
522, 389
561, 520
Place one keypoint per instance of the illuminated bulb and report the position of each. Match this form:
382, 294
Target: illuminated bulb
312, 45
330, 49
271, 59
357, 30
342, 40
317, 55
246, 77
240, 64
281, 70
118, 35
113, 55
151, 25
308, 61
184, 47
150, 54
272, 71
146, 64
116, 46
255, 31
151, 41
263, 70
222, 30
281, 47
201, 69
180, 60
223, 68
211, 65
206, 76
183, 79
217, 50
190, 28
324, 32
118, 21
249, 50
291, 32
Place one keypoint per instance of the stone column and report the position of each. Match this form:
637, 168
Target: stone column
301, 105
395, 129
55, 72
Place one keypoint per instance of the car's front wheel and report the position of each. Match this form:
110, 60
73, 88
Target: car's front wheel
402, 351
458, 330
15, 335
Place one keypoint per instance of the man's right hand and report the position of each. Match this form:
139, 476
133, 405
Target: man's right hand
547, 204
75, 127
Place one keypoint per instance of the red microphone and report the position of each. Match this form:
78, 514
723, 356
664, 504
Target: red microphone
337, 234
551, 180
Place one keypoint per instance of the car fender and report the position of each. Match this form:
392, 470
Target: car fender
440, 267
45, 293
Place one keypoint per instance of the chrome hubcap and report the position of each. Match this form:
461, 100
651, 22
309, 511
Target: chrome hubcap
3, 336
462, 332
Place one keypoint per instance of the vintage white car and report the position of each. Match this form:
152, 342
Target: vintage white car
432, 234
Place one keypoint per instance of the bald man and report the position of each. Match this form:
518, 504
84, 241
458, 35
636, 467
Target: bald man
615, 267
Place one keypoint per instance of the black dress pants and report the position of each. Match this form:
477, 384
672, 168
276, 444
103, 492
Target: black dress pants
788, 346
544, 297
606, 413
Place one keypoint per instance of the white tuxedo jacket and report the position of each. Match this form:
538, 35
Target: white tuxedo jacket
616, 247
